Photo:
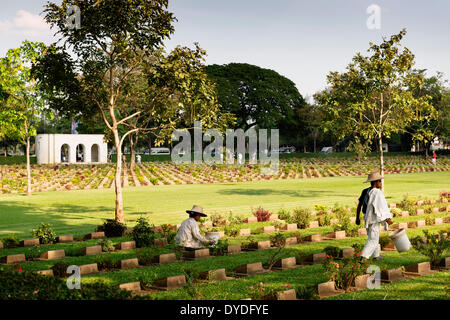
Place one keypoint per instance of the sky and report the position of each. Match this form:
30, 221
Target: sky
301, 40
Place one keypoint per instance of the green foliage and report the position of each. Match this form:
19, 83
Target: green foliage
112, 228
106, 244
145, 256
332, 251
284, 214
344, 272
231, 230
306, 293
107, 263
220, 248
32, 286
434, 246
60, 269
384, 241
278, 240
143, 233
11, 241
44, 233
301, 217
217, 219
261, 292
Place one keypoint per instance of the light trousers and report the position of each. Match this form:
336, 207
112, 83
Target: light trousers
373, 237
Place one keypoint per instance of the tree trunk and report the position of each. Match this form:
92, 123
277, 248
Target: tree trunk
117, 180
380, 146
133, 151
425, 145
28, 167
149, 144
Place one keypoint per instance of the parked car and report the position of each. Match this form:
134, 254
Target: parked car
326, 150
159, 151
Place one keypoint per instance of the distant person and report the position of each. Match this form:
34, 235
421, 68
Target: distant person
189, 236
434, 158
377, 211
138, 158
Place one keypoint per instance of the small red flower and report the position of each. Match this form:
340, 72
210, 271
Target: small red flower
20, 269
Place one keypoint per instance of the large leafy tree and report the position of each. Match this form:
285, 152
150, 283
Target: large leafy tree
120, 42
256, 96
22, 102
430, 122
372, 98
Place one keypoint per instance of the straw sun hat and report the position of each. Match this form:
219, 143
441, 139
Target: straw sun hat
197, 210
374, 176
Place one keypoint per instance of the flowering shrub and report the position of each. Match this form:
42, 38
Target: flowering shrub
261, 214
432, 245
44, 233
283, 214
217, 219
344, 272
220, 248
301, 217
231, 230
260, 292
169, 232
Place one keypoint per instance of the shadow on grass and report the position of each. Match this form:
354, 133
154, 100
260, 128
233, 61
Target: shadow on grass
266, 192
22, 218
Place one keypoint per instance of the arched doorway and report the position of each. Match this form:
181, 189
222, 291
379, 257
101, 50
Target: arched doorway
81, 153
65, 153
94, 153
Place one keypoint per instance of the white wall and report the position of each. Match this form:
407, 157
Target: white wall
48, 147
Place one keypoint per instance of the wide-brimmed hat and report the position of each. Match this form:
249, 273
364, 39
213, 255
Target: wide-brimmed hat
197, 210
374, 176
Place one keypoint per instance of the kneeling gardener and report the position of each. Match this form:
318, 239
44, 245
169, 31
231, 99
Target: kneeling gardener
189, 236
377, 212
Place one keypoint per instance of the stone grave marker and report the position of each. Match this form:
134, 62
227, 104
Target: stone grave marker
289, 227
313, 224
63, 239
336, 235
327, 289
251, 220
165, 258
244, 232
29, 242
313, 238
234, 249
48, 272
286, 263
392, 275
131, 286
88, 269
291, 241
95, 235
53, 254
13, 258
420, 212
269, 229
362, 231
419, 268
347, 253
129, 263
360, 282
404, 214
273, 217
127, 245
196, 254
438, 221
91, 250
286, 295
214, 275
250, 269
171, 283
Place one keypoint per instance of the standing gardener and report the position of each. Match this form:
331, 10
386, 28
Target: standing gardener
376, 211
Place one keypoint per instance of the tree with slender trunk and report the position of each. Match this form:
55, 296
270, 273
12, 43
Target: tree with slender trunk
24, 104
372, 98
118, 42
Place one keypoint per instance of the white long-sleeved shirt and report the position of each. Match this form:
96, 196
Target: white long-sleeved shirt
377, 208
189, 234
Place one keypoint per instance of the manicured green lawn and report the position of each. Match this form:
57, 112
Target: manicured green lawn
78, 212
